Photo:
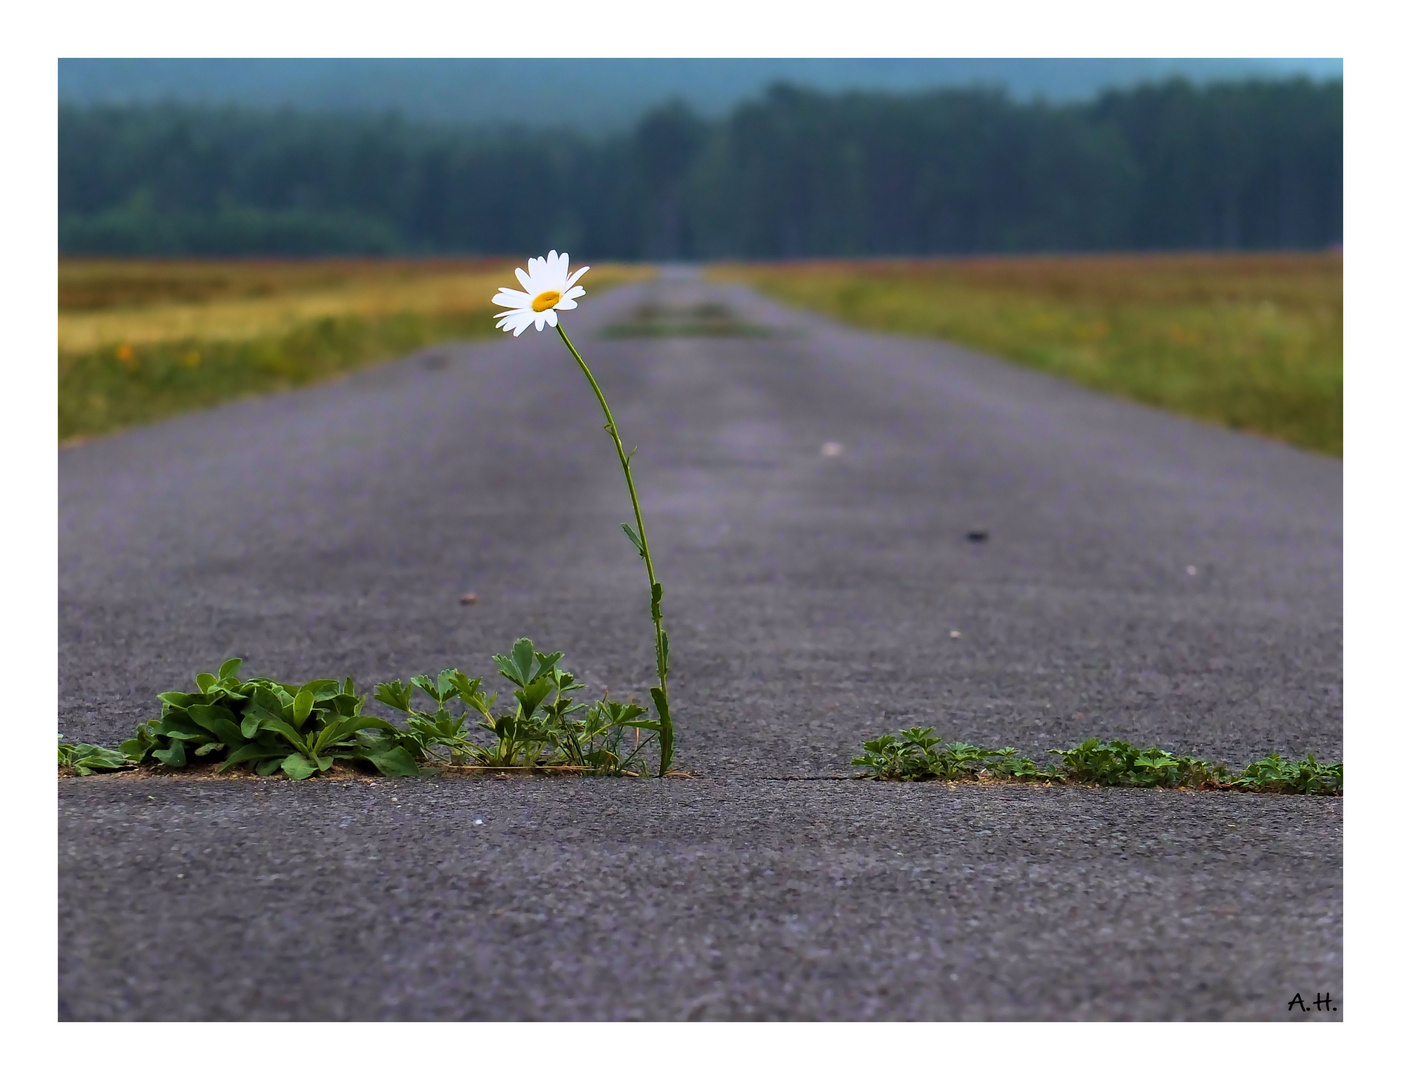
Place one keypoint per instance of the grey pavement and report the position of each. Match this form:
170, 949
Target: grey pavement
1143, 576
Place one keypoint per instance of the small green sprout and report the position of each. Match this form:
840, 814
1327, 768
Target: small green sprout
86, 758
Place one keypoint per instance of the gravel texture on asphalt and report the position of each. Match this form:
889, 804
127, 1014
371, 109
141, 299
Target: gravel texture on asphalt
809, 494
672, 900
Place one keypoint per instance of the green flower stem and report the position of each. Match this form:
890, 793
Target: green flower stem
659, 695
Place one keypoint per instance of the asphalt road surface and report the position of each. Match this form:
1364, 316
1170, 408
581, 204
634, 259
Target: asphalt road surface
810, 492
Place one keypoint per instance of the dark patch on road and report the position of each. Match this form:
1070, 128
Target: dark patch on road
705, 319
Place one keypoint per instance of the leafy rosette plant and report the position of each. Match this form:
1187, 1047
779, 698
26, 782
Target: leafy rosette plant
547, 288
548, 728
301, 730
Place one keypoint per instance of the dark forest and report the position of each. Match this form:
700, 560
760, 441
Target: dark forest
797, 173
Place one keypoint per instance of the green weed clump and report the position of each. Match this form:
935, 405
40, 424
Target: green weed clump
547, 729
1121, 764
86, 758
917, 754
1304, 777
302, 730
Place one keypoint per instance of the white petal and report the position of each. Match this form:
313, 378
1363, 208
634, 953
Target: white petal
574, 293
542, 274
577, 274
520, 329
511, 298
523, 277
551, 317
566, 305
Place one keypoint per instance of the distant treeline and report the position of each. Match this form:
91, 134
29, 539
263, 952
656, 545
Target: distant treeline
797, 173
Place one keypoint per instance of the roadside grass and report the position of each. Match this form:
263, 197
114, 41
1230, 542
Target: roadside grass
140, 340
1252, 342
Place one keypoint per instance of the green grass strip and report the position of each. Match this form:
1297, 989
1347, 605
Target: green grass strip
119, 386
1250, 342
918, 754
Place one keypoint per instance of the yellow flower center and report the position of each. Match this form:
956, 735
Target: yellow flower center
545, 301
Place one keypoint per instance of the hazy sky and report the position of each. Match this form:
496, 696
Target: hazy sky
599, 94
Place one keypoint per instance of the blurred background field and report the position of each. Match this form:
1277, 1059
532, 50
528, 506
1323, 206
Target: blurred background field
1253, 342
1162, 229
139, 340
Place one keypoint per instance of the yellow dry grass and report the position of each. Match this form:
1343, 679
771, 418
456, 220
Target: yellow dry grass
139, 340
149, 303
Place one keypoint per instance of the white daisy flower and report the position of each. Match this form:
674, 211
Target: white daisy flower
549, 288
